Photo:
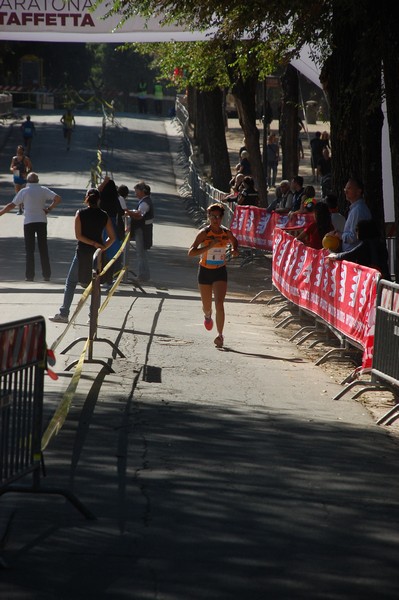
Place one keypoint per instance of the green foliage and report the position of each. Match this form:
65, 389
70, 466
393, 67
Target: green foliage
207, 65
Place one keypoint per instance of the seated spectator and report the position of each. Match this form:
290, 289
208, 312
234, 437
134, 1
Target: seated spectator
286, 198
314, 233
244, 165
337, 219
308, 198
297, 191
249, 195
283, 201
236, 188
370, 251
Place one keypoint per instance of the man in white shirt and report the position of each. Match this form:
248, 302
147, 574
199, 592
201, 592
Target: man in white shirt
35, 198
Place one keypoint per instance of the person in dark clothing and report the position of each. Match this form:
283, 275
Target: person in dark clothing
249, 195
316, 149
371, 251
297, 191
110, 203
90, 223
141, 228
244, 166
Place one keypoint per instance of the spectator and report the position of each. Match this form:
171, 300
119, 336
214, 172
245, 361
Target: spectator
141, 228
272, 151
90, 223
324, 171
142, 96
325, 138
123, 192
110, 203
314, 232
370, 251
210, 245
308, 199
337, 220
316, 148
284, 197
358, 210
249, 195
236, 187
35, 198
297, 192
244, 165
28, 131
158, 98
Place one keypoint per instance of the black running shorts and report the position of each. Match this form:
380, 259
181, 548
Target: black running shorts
209, 276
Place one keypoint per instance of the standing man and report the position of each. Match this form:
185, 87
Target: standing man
316, 153
28, 131
68, 124
141, 228
142, 96
35, 198
158, 96
358, 211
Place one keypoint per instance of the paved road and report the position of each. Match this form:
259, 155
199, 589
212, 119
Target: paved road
227, 475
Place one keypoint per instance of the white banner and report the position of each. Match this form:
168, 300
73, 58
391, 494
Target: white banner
74, 21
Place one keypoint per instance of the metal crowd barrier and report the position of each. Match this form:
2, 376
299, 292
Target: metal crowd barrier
23, 354
384, 373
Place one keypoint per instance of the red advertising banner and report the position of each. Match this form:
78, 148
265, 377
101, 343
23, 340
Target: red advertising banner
253, 227
340, 292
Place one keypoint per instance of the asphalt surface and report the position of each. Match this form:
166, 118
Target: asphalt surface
217, 475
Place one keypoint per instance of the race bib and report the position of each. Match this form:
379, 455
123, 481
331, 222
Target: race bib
216, 256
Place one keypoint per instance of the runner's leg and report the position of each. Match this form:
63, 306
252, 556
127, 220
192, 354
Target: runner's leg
219, 292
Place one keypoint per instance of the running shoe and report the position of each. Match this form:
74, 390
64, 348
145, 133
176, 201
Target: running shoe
218, 341
59, 318
208, 323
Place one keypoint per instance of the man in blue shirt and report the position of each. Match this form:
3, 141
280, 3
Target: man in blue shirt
358, 211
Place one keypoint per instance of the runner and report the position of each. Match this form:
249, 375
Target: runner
212, 273
68, 122
20, 167
28, 131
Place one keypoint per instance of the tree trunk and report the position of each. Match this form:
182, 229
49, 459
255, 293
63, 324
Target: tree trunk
216, 137
244, 93
352, 80
201, 129
289, 125
390, 54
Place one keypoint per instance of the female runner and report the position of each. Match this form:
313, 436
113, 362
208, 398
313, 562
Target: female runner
210, 244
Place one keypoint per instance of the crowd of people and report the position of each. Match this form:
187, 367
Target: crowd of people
329, 228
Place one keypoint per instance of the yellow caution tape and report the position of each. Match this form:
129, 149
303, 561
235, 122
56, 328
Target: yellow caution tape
62, 411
